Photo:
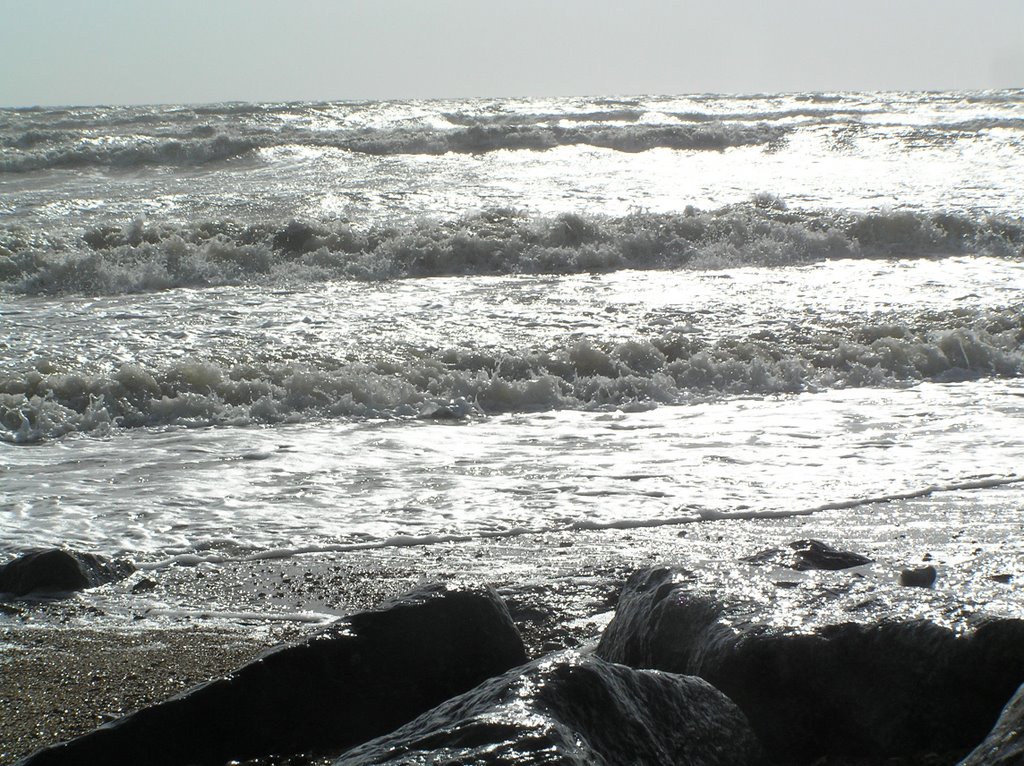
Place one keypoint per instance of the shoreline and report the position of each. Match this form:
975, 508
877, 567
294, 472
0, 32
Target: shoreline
70, 665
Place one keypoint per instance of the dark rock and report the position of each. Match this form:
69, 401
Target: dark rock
1005, 743
774, 556
1005, 579
571, 710
876, 689
919, 578
365, 675
807, 555
144, 585
60, 570
814, 554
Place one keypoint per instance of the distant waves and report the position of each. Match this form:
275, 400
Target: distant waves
38, 151
123, 138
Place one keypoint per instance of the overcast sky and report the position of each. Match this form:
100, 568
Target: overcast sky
187, 51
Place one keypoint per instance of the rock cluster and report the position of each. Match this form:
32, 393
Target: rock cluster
685, 673
865, 689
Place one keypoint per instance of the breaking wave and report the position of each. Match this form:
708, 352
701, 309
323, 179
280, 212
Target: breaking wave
636, 115
122, 154
633, 138
672, 367
471, 118
144, 256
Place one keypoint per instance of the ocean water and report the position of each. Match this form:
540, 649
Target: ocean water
261, 329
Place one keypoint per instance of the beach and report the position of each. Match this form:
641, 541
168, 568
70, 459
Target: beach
69, 668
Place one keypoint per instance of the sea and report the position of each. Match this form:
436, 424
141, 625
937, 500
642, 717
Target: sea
267, 329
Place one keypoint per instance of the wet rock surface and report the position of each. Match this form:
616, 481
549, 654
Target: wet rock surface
361, 677
848, 684
59, 570
815, 554
1004, 745
923, 577
806, 555
574, 709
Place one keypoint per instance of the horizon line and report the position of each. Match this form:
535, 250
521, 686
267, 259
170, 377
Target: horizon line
752, 94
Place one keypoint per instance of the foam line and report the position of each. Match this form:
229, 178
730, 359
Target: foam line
208, 614
585, 525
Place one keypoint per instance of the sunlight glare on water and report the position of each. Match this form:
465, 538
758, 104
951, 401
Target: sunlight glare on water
335, 483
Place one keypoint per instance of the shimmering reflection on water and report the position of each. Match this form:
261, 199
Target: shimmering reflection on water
399, 320
235, 490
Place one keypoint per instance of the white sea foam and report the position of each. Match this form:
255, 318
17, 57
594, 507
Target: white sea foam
178, 613
990, 482
123, 154
174, 497
668, 368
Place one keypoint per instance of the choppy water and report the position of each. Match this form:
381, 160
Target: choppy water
260, 328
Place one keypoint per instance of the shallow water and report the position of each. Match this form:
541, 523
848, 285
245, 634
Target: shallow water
229, 491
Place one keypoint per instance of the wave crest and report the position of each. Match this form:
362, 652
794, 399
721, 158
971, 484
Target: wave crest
153, 256
126, 154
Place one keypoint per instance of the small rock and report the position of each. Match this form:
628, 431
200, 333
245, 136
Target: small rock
919, 578
144, 585
806, 555
814, 554
1005, 579
775, 556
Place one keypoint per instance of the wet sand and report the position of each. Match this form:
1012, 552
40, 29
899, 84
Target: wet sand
67, 666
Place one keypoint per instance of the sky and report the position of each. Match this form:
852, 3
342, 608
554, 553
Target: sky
79, 52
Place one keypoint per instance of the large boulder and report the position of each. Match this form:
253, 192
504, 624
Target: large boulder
59, 570
867, 688
1004, 745
363, 676
574, 710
